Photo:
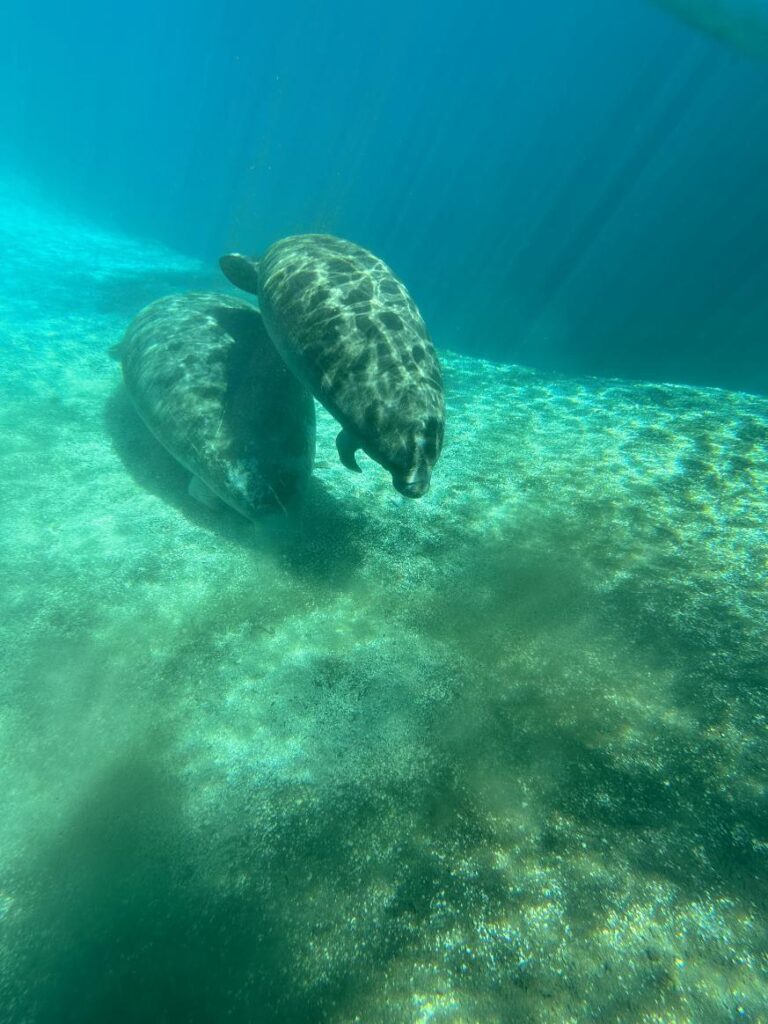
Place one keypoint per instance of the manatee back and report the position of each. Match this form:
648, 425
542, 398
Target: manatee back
208, 383
347, 326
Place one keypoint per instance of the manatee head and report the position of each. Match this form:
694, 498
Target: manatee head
254, 486
408, 453
412, 460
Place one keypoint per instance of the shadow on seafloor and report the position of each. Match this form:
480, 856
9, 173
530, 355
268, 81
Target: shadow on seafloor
315, 538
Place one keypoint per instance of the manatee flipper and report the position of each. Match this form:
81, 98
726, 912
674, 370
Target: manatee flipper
346, 446
116, 351
198, 490
241, 271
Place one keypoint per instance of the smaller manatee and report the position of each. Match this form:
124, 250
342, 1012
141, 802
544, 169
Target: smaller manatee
205, 378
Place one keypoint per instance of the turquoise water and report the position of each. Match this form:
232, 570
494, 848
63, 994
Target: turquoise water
493, 756
496, 755
574, 188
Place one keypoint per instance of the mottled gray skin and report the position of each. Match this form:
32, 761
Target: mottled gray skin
348, 328
207, 381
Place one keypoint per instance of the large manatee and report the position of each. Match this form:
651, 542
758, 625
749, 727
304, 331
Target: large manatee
207, 381
348, 328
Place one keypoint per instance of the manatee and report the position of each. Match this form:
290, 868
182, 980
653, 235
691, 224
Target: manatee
205, 378
347, 327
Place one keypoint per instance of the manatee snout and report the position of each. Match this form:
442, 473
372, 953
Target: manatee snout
411, 474
414, 484
411, 488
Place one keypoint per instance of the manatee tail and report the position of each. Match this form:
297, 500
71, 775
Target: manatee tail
242, 271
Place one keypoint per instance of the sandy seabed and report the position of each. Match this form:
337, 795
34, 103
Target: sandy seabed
495, 756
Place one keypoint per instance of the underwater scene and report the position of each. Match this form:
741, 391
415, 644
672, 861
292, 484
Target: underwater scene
384, 513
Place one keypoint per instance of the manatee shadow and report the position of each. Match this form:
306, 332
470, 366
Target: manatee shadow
128, 915
318, 538
315, 538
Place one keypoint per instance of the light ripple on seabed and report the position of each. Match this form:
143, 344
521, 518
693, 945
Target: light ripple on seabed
495, 755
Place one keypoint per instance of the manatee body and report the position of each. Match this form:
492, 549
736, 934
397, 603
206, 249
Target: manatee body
206, 380
348, 328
